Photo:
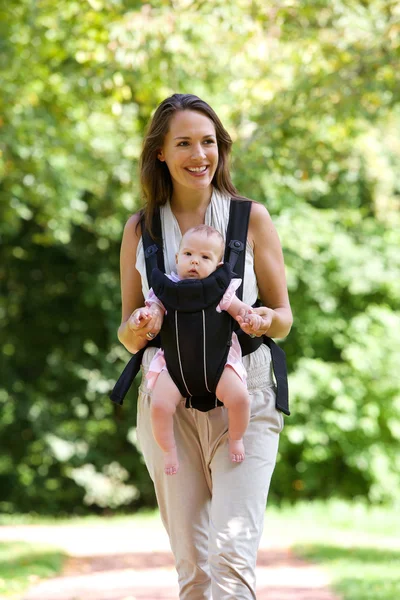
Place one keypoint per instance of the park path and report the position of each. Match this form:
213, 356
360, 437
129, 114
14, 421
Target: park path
127, 562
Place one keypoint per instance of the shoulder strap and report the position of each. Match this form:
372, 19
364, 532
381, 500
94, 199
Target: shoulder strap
236, 238
153, 248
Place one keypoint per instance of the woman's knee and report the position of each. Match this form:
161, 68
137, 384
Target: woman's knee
233, 570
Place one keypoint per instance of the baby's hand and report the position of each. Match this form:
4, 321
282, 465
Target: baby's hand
250, 319
139, 318
253, 320
146, 321
257, 321
244, 315
156, 318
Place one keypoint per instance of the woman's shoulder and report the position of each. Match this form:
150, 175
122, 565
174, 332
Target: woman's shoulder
260, 222
132, 232
135, 218
258, 210
133, 224
257, 207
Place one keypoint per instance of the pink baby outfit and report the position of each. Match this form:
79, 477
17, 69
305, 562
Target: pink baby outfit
234, 359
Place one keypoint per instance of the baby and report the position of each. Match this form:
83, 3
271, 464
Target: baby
200, 253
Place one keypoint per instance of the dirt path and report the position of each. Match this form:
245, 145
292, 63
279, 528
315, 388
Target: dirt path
119, 562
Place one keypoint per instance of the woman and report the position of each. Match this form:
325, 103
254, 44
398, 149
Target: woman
213, 509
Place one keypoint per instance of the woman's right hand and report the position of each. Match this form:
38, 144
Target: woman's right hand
139, 329
146, 322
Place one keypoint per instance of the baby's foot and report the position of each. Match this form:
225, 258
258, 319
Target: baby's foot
171, 463
236, 450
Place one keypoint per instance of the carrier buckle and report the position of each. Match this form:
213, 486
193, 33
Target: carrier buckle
150, 250
236, 246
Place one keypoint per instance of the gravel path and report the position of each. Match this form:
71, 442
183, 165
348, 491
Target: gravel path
122, 562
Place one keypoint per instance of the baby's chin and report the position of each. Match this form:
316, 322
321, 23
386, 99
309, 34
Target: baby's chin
190, 276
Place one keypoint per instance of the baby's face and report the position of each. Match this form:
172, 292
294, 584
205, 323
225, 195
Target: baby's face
199, 255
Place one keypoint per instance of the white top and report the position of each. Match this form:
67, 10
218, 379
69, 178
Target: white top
217, 216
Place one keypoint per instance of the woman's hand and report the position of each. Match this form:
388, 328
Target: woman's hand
256, 322
146, 322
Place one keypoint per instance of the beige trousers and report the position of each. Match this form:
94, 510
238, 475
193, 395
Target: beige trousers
213, 509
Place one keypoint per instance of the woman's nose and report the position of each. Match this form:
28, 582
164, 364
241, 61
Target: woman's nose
198, 151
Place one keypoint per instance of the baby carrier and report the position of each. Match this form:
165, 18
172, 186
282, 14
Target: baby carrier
194, 336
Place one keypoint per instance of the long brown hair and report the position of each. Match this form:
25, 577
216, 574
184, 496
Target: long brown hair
155, 178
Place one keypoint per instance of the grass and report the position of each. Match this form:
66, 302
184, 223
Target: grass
358, 573
22, 565
150, 517
315, 520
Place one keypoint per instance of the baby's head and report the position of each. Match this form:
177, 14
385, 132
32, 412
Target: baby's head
200, 252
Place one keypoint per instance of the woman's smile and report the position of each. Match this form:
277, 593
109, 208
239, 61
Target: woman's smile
197, 171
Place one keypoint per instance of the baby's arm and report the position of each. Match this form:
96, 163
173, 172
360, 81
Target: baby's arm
243, 313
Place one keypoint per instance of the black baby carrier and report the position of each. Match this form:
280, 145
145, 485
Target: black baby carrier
194, 336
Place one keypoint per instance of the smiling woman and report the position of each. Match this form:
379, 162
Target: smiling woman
186, 181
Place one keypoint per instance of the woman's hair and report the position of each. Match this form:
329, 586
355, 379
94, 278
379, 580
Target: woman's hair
154, 174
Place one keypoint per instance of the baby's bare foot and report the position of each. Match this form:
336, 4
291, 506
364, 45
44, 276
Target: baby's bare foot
236, 450
171, 463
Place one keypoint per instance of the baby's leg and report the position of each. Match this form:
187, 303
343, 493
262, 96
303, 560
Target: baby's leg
233, 393
165, 399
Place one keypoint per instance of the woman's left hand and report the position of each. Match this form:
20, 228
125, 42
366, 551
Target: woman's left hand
258, 322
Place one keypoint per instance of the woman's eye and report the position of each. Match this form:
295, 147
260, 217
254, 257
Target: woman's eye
207, 142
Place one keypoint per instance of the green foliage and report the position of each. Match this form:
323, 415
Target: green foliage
310, 94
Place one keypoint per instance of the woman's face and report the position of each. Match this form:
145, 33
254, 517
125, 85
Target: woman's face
190, 150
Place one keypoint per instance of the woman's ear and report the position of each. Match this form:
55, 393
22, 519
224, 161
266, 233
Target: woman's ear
160, 156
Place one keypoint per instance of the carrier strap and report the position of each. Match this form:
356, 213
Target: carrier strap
280, 371
236, 233
153, 247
